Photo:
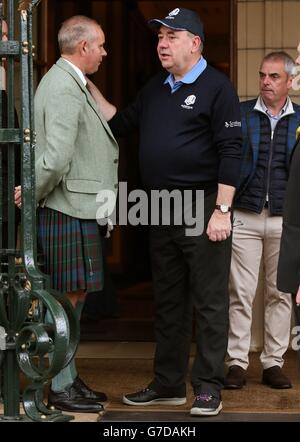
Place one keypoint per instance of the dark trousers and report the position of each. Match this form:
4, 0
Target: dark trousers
189, 271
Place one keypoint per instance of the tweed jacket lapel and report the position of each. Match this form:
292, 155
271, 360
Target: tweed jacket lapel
64, 65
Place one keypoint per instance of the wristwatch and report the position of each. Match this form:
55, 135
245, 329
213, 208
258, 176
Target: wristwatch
223, 208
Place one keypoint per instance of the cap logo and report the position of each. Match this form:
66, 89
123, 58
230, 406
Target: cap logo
173, 13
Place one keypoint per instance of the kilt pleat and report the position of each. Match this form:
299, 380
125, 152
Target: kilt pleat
72, 251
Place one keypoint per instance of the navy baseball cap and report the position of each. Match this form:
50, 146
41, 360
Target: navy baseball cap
180, 19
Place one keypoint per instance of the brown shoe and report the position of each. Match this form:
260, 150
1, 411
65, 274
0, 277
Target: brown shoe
235, 379
274, 377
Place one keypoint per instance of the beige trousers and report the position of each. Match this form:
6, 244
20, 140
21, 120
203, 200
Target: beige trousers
255, 237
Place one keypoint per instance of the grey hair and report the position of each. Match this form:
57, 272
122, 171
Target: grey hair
201, 44
289, 64
74, 30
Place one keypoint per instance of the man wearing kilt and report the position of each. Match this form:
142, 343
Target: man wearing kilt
76, 158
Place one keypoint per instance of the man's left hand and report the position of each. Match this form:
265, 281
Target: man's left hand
18, 196
219, 226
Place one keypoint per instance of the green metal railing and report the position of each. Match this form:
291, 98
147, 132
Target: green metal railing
26, 338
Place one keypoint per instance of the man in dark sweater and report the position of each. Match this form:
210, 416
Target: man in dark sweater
190, 139
269, 126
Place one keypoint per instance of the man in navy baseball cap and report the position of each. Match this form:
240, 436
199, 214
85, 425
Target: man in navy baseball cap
185, 137
181, 19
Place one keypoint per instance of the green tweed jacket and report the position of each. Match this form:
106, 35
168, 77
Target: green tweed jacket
76, 154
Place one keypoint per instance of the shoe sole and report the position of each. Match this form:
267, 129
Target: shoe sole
278, 387
77, 410
196, 411
166, 401
234, 386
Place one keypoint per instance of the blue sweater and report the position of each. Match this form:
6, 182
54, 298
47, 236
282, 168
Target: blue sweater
189, 139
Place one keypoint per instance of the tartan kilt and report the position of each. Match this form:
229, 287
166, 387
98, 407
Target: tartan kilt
72, 251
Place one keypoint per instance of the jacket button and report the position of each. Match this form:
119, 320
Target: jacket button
116, 186
116, 161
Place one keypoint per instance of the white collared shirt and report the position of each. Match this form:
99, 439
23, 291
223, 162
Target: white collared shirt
78, 71
287, 109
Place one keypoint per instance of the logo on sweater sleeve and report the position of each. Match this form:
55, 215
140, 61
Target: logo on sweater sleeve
189, 101
233, 124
